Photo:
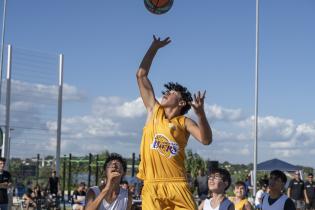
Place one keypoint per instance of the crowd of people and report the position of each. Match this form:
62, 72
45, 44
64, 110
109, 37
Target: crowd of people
209, 188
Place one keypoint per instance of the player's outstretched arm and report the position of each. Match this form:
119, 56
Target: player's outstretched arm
145, 86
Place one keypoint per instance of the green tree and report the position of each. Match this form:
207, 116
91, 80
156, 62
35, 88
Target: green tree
194, 162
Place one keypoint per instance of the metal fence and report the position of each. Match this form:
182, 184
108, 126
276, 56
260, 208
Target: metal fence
30, 108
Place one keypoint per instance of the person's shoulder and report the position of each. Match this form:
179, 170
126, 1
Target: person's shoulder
7, 173
291, 182
289, 204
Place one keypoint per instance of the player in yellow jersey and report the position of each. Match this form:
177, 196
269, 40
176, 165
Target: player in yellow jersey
165, 136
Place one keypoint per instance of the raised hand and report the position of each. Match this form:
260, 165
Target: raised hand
114, 175
157, 43
198, 103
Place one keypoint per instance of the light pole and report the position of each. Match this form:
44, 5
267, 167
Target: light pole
256, 100
2, 44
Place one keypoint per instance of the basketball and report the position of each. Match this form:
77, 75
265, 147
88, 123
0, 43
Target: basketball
158, 7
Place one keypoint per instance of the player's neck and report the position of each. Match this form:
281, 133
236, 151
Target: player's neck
238, 199
275, 194
171, 112
218, 196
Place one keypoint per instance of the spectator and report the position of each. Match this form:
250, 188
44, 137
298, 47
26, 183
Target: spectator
248, 185
5, 183
110, 195
37, 195
261, 193
79, 196
201, 182
219, 181
53, 184
132, 190
309, 192
240, 201
28, 199
296, 191
124, 184
276, 200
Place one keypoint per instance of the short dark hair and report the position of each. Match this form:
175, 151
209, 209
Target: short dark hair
186, 95
310, 174
225, 174
240, 183
263, 183
116, 156
124, 182
82, 184
279, 174
2, 159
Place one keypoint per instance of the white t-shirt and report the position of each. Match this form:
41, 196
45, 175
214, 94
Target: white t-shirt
259, 195
120, 203
207, 205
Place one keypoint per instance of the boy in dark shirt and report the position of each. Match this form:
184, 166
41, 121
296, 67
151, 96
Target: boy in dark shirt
309, 192
5, 183
296, 190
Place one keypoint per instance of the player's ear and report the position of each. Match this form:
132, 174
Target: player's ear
182, 103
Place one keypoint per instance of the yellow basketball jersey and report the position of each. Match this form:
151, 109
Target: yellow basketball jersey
162, 149
240, 205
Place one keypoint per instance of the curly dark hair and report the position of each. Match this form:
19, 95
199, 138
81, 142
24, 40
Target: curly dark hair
186, 95
116, 156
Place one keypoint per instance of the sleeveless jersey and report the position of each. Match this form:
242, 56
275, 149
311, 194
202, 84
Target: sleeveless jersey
240, 205
224, 205
120, 203
278, 205
162, 149
207, 205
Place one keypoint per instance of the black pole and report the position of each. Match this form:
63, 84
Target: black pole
90, 170
64, 181
96, 171
133, 164
37, 169
69, 178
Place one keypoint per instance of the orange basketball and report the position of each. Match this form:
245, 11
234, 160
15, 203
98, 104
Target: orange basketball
160, 3
158, 6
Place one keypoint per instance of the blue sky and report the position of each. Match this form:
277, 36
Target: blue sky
213, 48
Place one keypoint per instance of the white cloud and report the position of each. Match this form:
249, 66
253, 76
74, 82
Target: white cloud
287, 153
115, 124
116, 107
38, 92
271, 128
215, 112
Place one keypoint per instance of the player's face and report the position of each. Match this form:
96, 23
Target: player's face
239, 191
114, 166
171, 98
310, 178
216, 183
275, 183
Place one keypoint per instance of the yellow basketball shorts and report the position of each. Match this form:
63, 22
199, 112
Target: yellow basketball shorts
167, 195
